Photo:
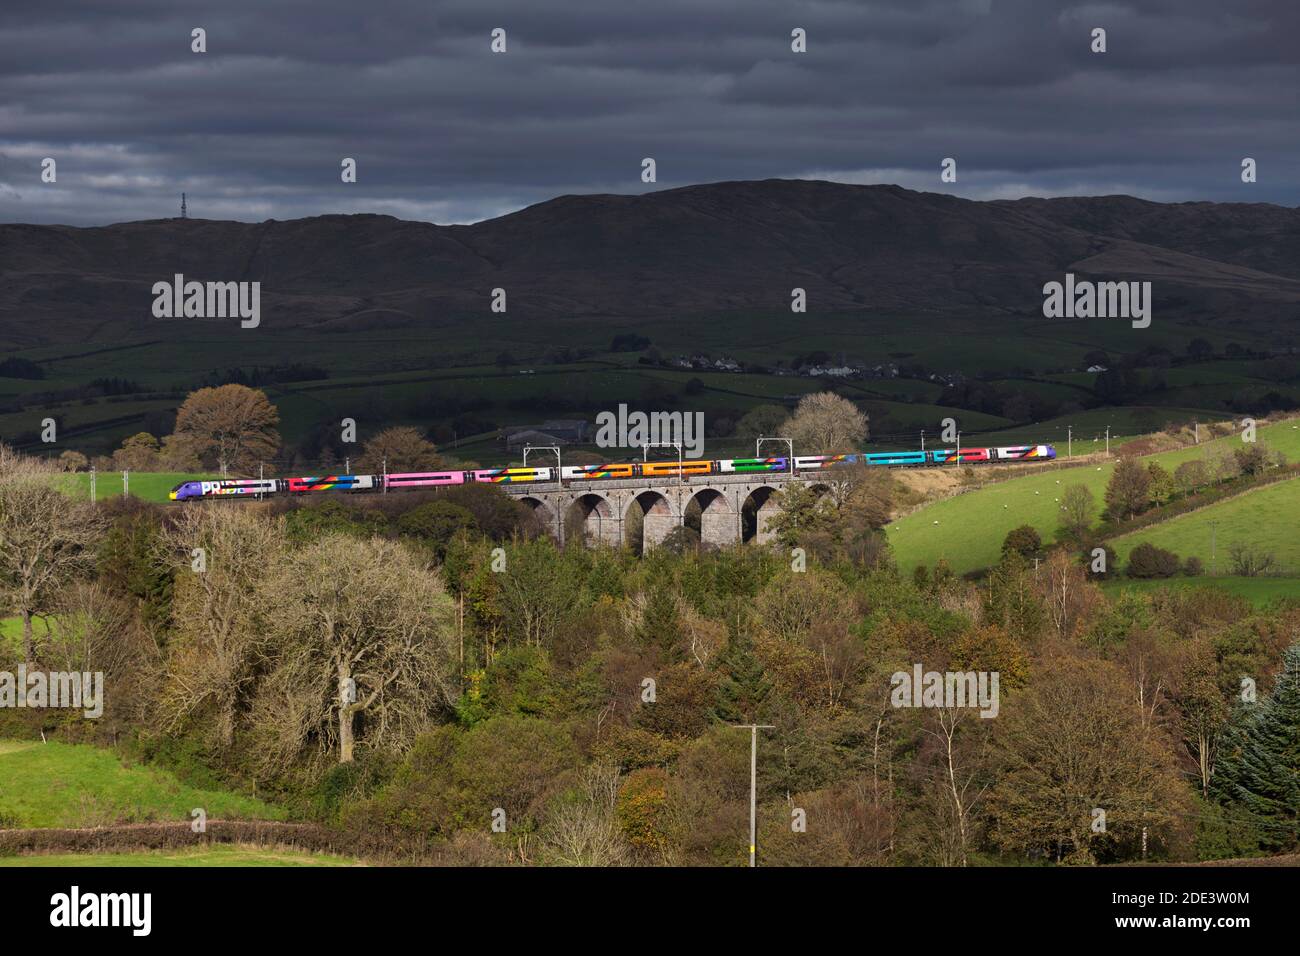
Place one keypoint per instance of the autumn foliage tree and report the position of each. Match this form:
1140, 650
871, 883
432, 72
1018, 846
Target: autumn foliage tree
1128, 491
1072, 743
232, 427
397, 450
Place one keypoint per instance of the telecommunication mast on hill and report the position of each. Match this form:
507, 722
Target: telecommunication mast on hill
184, 212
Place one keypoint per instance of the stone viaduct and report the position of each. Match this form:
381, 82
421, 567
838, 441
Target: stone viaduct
731, 508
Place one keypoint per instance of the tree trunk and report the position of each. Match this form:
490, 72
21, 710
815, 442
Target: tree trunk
345, 733
347, 711
29, 645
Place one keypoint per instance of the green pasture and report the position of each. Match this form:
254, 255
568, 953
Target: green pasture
1260, 592
216, 855
75, 785
1267, 518
967, 530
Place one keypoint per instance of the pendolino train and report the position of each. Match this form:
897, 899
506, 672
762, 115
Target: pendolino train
260, 487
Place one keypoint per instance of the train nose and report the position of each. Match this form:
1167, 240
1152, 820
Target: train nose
171, 495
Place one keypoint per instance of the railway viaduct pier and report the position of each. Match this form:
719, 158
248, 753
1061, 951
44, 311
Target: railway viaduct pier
725, 509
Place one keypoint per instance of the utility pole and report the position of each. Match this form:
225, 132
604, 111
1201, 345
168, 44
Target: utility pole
555, 449
126, 483
1211, 548
922, 439
385, 491
753, 787
184, 211
92, 484
1108, 439
1069, 441
559, 480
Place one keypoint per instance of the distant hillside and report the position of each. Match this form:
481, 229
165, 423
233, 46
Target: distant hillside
723, 247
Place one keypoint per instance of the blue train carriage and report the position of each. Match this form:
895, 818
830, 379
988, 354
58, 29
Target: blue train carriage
235, 487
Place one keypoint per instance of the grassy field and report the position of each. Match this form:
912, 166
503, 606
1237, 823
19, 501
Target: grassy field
219, 855
71, 785
145, 485
11, 633
1260, 592
1267, 518
967, 530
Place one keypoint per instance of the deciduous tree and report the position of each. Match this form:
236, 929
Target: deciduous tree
398, 450
46, 541
231, 426
825, 424
373, 640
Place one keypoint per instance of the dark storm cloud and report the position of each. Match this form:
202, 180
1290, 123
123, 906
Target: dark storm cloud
443, 129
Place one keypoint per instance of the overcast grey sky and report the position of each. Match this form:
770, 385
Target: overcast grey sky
443, 129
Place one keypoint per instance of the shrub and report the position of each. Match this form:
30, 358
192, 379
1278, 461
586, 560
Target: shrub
1148, 561
1193, 567
1025, 541
1249, 561
1112, 563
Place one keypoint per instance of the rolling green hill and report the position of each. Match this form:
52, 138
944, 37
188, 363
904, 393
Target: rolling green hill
967, 530
73, 785
1258, 591
1267, 518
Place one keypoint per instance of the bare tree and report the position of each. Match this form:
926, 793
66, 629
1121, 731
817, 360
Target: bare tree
372, 640
94, 630
1248, 560
1077, 509
584, 830
46, 541
825, 423
222, 556
1067, 594
962, 776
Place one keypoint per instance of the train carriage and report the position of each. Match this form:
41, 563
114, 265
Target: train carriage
1023, 452
663, 469
497, 476
893, 458
234, 487
729, 466
953, 456
300, 486
424, 479
806, 462
593, 472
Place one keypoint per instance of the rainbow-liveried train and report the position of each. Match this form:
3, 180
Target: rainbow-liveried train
261, 487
